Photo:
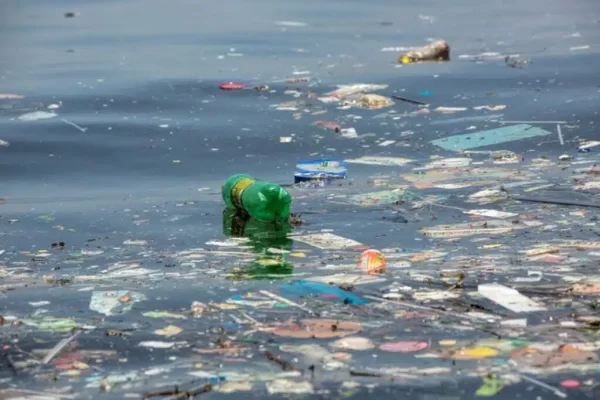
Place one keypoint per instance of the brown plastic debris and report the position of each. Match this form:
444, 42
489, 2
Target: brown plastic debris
564, 354
125, 299
586, 288
223, 346
334, 126
168, 331
176, 394
367, 101
542, 250
318, 329
116, 332
435, 51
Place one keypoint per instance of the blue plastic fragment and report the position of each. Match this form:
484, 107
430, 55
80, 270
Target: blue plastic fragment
304, 288
232, 326
490, 137
323, 168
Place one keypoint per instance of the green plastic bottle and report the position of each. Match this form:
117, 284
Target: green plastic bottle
264, 236
262, 200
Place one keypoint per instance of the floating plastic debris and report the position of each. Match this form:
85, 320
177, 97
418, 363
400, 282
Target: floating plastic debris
37, 116
490, 137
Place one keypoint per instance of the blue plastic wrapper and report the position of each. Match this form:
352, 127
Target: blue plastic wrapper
322, 290
320, 169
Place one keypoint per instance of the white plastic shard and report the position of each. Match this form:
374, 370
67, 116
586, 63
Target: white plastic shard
36, 116
509, 298
327, 241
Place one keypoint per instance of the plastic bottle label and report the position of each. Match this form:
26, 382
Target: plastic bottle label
238, 189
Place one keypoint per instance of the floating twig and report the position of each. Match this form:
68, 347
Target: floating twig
162, 393
554, 390
285, 365
74, 125
188, 394
555, 201
176, 394
365, 374
417, 102
423, 308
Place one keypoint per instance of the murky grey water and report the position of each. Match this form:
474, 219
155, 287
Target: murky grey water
157, 138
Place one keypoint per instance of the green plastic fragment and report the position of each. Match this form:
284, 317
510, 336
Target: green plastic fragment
491, 387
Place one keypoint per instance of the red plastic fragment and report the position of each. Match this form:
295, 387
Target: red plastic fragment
232, 86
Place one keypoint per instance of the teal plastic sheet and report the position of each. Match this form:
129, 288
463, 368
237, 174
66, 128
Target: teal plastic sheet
490, 137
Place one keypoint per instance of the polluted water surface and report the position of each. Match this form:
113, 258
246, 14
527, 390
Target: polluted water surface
374, 204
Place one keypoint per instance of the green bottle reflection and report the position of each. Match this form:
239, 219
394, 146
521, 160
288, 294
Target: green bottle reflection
265, 238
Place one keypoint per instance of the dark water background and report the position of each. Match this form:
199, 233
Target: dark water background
122, 68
